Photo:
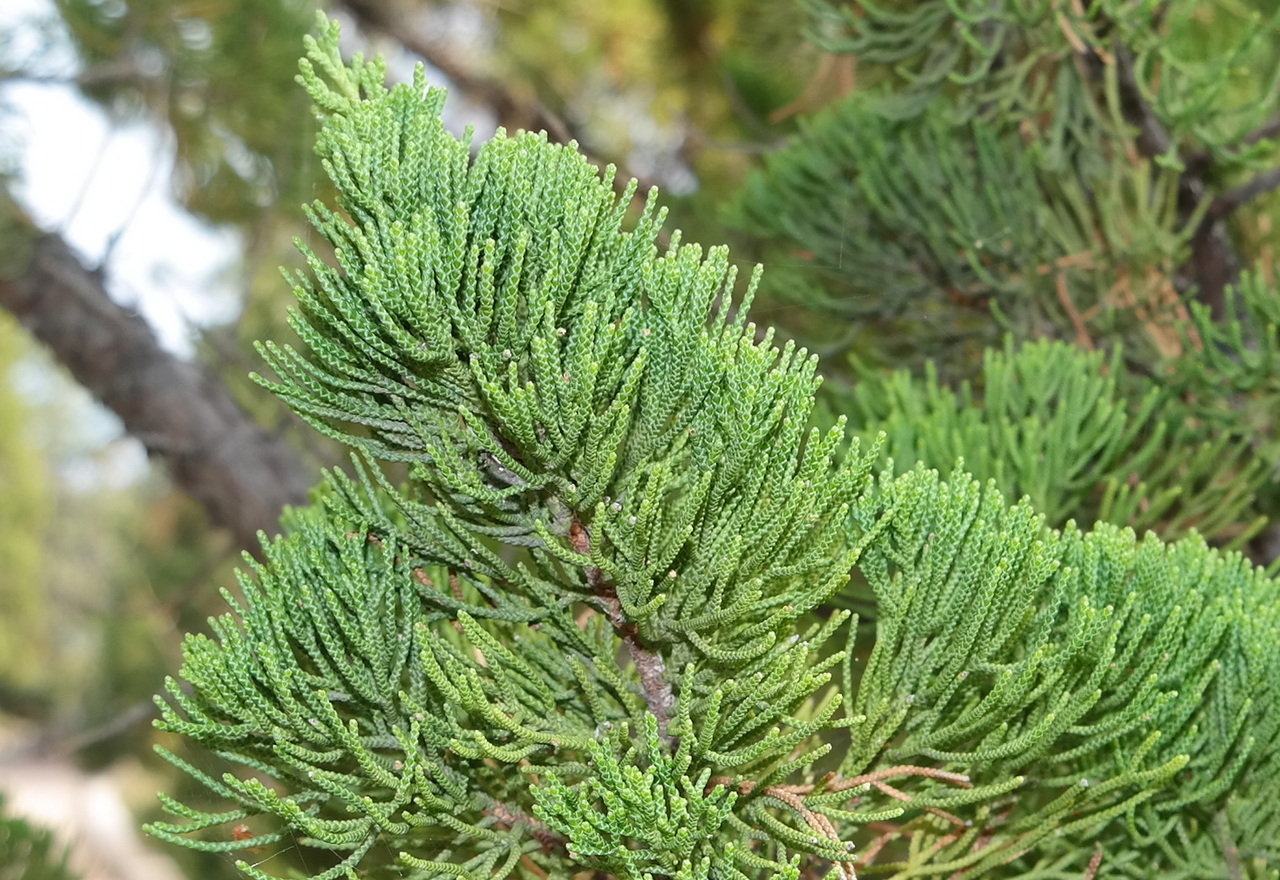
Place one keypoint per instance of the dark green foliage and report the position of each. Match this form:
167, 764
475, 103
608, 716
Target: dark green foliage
922, 228
1080, 172
1092, 665
1233, 382
884, 239
1018, 59
1050, 421
595, 630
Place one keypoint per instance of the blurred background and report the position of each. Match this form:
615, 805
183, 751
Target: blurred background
1046, 235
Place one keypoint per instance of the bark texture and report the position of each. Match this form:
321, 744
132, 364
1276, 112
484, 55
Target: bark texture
181, 412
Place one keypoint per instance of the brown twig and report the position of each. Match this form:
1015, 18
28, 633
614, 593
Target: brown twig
793, 796
540, 831
958, 779
891, 791
1077, 320
818, 822
1094, 864
868, 855
1091, 47
650, 666
989, 829
948, 817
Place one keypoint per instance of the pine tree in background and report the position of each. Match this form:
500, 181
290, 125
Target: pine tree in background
597, 629
1096, 173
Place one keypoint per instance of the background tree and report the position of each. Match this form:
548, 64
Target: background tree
1094, 175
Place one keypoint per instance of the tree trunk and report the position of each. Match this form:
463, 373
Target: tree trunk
179, 410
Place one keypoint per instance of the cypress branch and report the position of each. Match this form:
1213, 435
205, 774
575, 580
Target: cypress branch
594, 630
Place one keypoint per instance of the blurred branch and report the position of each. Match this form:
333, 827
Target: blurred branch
48, 741
742, 110
1225, 203
1266, 131
1201, 160
1213, 264
116, 72
128, 718
1152, 138
180, 411
512, 112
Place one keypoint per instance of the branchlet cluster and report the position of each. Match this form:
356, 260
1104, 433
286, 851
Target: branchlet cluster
595, 623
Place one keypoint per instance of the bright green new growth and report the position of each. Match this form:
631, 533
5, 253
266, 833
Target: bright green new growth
595, 632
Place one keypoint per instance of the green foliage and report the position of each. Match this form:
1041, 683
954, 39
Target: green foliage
922, 228
1217, 61
596, 629
635, 823
28, 853
1027, 156
1233, 382
492, 324
1050, 422
1093, 666
1050, 170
